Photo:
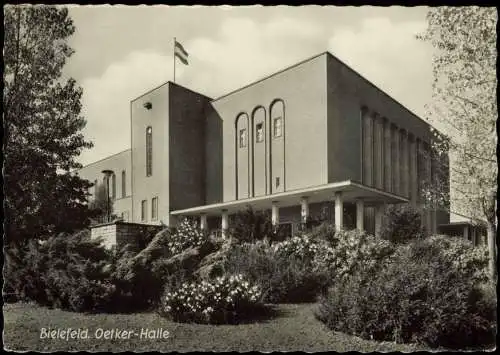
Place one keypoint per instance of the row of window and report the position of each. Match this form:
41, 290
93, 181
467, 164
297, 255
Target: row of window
154, 209
113, 185
259, 132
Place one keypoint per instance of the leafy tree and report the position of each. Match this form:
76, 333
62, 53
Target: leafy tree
42, 126
464, 103
100, 203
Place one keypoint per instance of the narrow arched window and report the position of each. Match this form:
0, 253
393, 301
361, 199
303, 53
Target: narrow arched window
149, 151
124, 184
113, 186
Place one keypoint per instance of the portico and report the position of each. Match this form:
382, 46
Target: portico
339, 192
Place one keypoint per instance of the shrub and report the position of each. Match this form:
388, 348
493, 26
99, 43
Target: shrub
285, 271
65, 271
169, 259
186, 235
227, 299
420, 294
401, 223
249, 226
350, 250
300, 246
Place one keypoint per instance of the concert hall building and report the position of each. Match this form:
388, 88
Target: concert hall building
313, 140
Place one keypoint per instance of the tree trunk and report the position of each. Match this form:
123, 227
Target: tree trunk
492, 249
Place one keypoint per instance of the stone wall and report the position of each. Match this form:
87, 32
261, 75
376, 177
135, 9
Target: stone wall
106, 231
120, 233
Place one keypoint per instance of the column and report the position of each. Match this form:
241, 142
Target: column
275, 213
360, 214
224, 223
434, 180
339, 211
172, 220
466, 232
304, 209
403, 178
377, 153
387, 156
379, 213
428, 177
367, 148
412, 170
396, 167
203, 221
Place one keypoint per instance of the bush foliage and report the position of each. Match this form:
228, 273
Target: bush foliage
186, 235
423, 293
65, 271
401, 223
226, 299
249, 226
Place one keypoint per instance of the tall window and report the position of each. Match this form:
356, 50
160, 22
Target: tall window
243, 138
113, 186
277, 127
149, 151
144, 210
124, 184
154, 208
259, 132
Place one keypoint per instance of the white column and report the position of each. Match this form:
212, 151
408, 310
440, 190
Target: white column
172, 220
224, 223
275, 213
339, 211
203, 221
304, 209
379, 213
466, 232
360, 214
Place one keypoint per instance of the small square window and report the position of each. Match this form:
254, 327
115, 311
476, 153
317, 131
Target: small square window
259, 132
243, 138
277, 127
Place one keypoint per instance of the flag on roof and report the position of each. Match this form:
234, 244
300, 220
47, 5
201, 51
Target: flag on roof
181, 53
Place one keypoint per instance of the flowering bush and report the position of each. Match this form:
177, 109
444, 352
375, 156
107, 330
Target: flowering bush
300, 246
351, 250
186, 235
224, 300
285, 271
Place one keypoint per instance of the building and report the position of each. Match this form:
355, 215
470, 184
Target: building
474, 230
314, 138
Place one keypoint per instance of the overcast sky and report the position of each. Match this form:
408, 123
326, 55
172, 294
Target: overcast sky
122, 52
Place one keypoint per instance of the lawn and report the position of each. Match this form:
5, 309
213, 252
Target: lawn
294, 327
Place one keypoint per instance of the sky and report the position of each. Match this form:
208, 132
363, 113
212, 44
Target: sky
122, 52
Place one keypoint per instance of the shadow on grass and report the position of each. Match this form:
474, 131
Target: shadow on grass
260, 314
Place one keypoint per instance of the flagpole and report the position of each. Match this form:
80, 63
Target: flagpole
174, 59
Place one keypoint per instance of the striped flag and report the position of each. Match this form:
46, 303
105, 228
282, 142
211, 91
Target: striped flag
181, 53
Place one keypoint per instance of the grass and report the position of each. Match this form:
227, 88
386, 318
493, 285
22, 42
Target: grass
294, 328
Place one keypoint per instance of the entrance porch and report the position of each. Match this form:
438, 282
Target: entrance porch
340, 194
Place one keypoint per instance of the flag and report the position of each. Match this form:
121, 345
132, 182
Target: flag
181, 53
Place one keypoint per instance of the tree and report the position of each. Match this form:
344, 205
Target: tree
42, 126
464, 103
100, 203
